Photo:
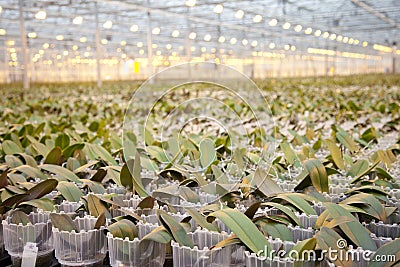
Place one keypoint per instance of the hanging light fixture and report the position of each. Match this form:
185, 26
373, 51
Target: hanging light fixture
41, 15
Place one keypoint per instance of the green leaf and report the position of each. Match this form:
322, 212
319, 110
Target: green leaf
175, 229
95, 206
358, 168
391, 248
289, 213
10, 148
44, 204
305, 245
207, 152
244, 229
297, 200
135, 169
361, 171
201, 220
354, 230
344, 138
43, 188
40, 148
31, 171
61, 172
101, 152
18, 217
188, 194
290, 155
276, 230
69, 191
13, 161
70, 150
265, 184
232, 240
328, 239
159, 235
126, 177
158, 153
335, 153
62, 141
63, 222
54, 156
364, 200
146, 203
318, 175
101, 221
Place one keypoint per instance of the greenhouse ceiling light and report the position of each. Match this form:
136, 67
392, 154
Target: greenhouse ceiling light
233, 40
192, 49
345, 39
123, 43
75, 47
60, 37
203, 49
356, 42
154, 46
83, 39
41, 14
45, 45
245, 42
32, 35
351, 41
218, 9
254, 43
65, 53
257, 18
168, 46
104, 41
190, 3
365, 44
1, 9
286, 47
141, 52
339, 38
298, 28
325, 35
134, 28
3, 32
293, 48
273, 22
308, 30
239, 14
317, 33
286, 26
139, 44
207, 37
332, 36
192, 35
77, 20
108, 24
221, 39
175, 33
272, 45
156, 31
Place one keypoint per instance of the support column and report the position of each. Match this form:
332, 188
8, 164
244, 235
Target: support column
24, 66
188, 45
149, 43
98, 47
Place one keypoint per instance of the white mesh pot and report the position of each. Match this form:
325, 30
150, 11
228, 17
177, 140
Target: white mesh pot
85, 247
202, 256
125, 252
39, 232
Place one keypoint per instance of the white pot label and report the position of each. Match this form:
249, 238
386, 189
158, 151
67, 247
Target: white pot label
29, 255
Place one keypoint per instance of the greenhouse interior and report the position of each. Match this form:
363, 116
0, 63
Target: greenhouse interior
200, 133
